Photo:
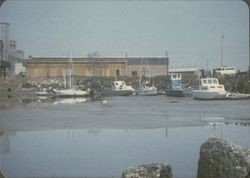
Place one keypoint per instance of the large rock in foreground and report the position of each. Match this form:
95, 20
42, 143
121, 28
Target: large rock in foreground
151, 170
1, 175
222, 159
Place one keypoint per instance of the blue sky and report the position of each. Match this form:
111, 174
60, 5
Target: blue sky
189, 30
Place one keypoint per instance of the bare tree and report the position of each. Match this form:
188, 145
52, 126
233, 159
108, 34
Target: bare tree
94, 54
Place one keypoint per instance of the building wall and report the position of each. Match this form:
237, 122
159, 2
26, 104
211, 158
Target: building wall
104, 67
146, 70
78, 69
19, 68
45, 70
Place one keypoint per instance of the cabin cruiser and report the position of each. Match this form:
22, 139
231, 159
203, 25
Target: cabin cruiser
210, 89
146, 88
176, 88
119, 88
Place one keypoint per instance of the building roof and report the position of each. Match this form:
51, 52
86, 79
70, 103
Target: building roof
4, 23
186, 69
148, 61
129, 61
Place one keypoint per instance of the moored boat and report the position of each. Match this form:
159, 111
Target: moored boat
70, 91
119, 88
146, 88
210, 89
176, 88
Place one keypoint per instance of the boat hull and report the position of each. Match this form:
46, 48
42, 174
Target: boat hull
179, 92
117, 92
209, 95
70, 93
148, 92
175, 93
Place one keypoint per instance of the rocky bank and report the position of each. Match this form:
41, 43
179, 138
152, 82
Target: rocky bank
222, 159
151, 170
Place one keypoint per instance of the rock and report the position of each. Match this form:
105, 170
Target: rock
222, 159
1, 175
26, 85
248, 175
152, 170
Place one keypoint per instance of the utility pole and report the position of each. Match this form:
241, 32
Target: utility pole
221, 52
1, 62
248, 4
167, 63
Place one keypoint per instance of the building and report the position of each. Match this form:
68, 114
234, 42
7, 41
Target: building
101, 67
186, 71
8, 51
5, 42
147, 66
20, 69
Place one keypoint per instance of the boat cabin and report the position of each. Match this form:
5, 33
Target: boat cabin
120, 85
174, 81
211, 84
225, 71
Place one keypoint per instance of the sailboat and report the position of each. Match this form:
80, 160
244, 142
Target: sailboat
145, 87
70, 91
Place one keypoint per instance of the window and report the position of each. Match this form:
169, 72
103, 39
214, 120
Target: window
134, 73
204, 81
215, 81
210, 82
117, 72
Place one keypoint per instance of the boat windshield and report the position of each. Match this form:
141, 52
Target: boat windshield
215, 81
204, 81
176, 83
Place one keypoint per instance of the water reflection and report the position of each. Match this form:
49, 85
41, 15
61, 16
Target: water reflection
103, 138
98, 152
13, 102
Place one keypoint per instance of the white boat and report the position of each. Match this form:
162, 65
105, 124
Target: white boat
176, 88
119, 88
70, 91
146, 88
210, 89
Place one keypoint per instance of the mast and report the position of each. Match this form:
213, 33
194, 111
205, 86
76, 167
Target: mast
70, 70
222, 37
126, 58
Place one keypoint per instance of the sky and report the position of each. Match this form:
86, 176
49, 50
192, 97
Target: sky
188, 30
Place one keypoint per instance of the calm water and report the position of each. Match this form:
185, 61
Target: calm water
96, 139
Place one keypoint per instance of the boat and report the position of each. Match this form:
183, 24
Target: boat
210, 89
176, 88
146, 88
70, 91
119, 88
